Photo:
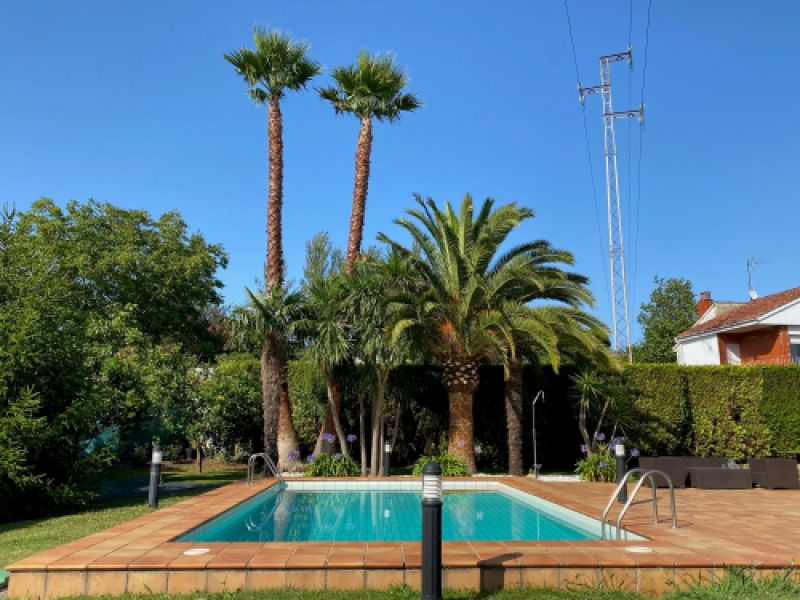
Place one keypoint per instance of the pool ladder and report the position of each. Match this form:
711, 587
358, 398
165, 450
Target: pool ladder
646, 474
268, 464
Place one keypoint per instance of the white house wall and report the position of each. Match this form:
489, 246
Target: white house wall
699, 351
789, 315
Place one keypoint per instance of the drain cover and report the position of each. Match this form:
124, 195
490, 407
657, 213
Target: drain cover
638, 549
196, 551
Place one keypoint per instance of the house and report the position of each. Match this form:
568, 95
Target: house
763, 331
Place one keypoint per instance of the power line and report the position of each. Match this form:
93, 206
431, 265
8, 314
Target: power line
588, 149
641, 151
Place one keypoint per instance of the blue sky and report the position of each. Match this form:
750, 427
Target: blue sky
131, 102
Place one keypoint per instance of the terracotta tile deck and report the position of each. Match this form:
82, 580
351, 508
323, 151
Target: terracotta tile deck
717, 528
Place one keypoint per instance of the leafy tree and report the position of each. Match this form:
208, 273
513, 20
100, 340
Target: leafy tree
370, 88
464, 309
277, 65
85, 293
671, 309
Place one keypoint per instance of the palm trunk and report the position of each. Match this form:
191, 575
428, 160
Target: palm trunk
513, 400
274, 265
287, 434
461, 438
363, 151
377, 427
270, 392
327, 423
460, 377
362, 431
333, 396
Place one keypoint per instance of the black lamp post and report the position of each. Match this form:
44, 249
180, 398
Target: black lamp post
155, 476
619, 453
387, 459
432, 532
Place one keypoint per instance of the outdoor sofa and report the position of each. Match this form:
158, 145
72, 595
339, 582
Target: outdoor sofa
677, 467
774, 473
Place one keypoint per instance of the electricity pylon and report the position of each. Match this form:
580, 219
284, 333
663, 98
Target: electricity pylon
620, 318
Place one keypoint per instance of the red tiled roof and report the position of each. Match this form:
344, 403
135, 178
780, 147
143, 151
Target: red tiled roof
745, 312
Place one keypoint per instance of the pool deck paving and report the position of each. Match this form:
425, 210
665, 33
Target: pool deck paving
757, 528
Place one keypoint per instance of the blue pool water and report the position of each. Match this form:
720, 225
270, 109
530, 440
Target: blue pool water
281, 514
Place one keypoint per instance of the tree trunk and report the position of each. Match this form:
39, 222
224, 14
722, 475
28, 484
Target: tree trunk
362, 431
270, 392
513, 400
333, 396
287, 434
199, 446
274, 264
377, 427
460, 377
363, 151
587, 442
461, 440
328, 424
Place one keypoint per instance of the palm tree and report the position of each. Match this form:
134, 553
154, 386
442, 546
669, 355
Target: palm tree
560, 331
265, 318
461, 311
326, 332
276, 65
371, 88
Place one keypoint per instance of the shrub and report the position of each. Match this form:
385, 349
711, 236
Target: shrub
780, 407
332, 465
452, 466
724, 403
599, 466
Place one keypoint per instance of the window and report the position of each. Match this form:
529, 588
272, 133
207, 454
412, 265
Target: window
795, 353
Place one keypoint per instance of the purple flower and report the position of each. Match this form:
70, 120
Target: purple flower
635, 452
337, 456
328, 437
600, 437
294, 455
584, 448
602, 464
617, 440
352, 437
310, 458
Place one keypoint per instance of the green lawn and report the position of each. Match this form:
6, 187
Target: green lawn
19, 539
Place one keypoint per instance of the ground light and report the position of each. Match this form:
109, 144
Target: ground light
155, 476
432, 531
619, 453
387, 459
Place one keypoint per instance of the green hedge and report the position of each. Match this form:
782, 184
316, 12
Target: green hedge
780, 405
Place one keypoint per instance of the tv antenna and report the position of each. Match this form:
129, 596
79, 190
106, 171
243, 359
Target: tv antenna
752, 263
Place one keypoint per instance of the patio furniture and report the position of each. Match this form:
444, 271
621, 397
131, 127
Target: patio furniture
774, 473
720, 478
677, 467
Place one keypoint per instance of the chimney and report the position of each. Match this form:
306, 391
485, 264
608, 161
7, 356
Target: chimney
704, 303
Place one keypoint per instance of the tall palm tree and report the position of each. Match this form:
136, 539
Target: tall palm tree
461, 310
370, 88
264, 318
275, 66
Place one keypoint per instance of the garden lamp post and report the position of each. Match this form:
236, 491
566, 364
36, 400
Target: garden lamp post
387, 459
536, 465
155, 476
432, 531
619, 453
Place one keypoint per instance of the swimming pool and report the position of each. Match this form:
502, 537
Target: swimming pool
381, 511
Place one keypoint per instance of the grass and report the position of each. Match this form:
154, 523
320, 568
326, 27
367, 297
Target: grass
736, 585
19, 539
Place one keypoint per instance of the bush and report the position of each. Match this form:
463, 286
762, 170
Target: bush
332, 465
780, 407
600, 466
725, 410
452, 466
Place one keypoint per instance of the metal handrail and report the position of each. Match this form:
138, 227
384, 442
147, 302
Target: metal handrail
268, 464
646, 474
